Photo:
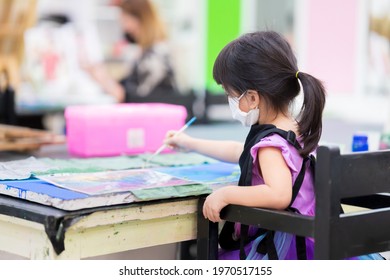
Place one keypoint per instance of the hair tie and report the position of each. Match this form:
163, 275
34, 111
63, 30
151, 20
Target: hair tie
296, 74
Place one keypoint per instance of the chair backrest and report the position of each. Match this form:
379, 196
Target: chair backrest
360, 179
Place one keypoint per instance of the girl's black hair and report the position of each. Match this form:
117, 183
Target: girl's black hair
264, 61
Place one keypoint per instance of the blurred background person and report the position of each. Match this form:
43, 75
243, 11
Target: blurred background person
152, 74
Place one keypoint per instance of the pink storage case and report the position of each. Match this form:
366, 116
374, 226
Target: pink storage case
115, 129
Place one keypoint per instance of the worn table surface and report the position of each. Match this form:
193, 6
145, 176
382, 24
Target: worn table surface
104, 231
33, 230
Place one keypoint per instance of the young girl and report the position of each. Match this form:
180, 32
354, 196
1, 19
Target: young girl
260, 76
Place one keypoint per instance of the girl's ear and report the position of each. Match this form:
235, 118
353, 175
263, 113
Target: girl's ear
254, 98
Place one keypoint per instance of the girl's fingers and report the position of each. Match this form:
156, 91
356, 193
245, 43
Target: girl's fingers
210, 214
205, 214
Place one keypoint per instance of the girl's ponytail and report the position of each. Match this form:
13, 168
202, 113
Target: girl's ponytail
310, 116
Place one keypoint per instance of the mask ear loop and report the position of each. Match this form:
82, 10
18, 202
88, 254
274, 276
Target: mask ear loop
242, 95
236, 99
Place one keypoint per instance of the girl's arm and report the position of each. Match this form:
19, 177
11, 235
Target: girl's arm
228, 151
275, 193
108, 84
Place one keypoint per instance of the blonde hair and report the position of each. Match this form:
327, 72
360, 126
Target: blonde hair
152, 27
381, 25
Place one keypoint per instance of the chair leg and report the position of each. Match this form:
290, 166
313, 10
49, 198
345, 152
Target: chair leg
207, 236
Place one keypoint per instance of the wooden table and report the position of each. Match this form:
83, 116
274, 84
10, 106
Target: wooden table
103, 231
99, 232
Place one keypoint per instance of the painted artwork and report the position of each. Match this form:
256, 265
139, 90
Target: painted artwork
97, 183
218, 174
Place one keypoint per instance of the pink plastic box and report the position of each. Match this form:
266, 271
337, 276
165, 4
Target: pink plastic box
115, 129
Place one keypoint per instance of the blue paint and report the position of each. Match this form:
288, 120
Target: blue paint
22, 194
41, 187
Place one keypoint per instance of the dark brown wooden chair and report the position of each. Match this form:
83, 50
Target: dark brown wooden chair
355, 179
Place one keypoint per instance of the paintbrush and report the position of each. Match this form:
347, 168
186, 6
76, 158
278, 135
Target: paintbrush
159, 150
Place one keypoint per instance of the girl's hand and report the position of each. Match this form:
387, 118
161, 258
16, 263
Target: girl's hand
214, 204
177, 141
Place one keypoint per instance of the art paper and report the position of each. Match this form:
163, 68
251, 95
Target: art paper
114, 181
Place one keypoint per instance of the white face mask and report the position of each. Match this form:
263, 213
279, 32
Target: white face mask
247, 119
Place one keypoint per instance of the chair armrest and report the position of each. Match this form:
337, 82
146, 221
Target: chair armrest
278, 220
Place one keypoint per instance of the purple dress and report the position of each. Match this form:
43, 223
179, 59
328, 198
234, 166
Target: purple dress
304, 202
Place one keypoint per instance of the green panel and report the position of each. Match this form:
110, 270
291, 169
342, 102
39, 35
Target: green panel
223, 25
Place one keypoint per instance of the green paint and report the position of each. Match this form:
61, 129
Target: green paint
223, 25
